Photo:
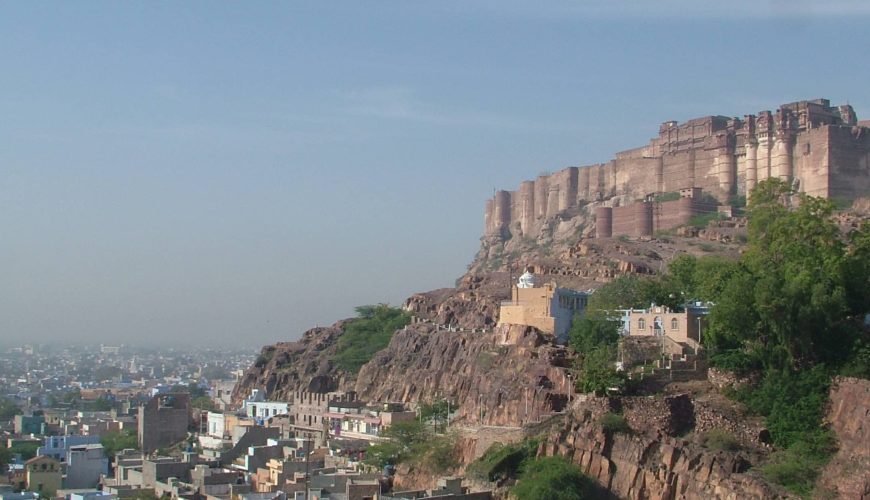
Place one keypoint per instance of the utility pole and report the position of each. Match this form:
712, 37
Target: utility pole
307, 462
448, 414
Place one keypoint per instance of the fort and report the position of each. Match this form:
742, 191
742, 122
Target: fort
821, 150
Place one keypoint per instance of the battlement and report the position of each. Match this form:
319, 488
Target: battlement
821, 149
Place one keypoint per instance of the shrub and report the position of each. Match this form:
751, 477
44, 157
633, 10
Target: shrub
370, 332
502, 461
737, 201
596, 372
553, 478
113, 442
439, 455
613, 423
721, 440
672, 196
735, 360
797, 467
703, 220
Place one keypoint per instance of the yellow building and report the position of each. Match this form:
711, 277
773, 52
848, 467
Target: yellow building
547, 308
684, 326
43, 475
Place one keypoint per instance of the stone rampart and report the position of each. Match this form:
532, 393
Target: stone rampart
822, 149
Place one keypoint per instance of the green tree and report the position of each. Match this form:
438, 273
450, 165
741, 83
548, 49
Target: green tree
632, 291
591, 331
792, 309
8, 409
203, 403
597, 373
5, 457
403, 440
435, 412
114, 442
384, 453
798, 295
553, 478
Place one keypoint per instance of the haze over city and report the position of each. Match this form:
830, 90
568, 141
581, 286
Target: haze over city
230, 173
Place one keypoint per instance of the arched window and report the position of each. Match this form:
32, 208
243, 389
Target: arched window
675, 324
641, 324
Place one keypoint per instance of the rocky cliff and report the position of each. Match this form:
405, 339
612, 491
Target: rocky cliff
506, 377
653, 461
285, 367
848, 473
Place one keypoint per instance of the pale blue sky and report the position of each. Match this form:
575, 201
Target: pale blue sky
232, 172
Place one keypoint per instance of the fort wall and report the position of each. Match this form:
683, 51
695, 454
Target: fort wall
823, 150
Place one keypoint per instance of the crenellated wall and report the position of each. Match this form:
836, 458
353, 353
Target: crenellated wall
822, 149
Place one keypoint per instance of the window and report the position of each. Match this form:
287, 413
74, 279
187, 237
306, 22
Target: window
675, 324
641, 324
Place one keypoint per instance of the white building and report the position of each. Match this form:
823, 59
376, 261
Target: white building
258, 408
84, 464
57, 447
216, 425
92, 495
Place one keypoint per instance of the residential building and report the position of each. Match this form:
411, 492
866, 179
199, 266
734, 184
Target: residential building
57, 446
29, 424
257, 407
163, 421
684, 326
84, 465
92, 495
43, 475
24, 495
222, 393
308, 410
355, 420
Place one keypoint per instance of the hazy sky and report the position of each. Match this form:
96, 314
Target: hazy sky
238, 172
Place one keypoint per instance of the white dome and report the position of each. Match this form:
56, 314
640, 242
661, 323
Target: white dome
527, 280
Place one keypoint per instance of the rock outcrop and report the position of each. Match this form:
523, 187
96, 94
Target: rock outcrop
848, 473
506, 377
285, 367
653, 461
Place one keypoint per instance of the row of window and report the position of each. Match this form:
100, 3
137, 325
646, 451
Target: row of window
576, 302
641, 324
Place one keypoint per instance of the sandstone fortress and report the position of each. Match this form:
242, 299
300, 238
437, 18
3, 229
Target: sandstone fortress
822, 150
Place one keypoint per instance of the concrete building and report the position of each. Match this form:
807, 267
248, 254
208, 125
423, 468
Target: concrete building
84, 465
163, 421
547, 308
684, 326
57, 447
222, 393
159, 470
92, 495
256, 406
308, 409
215, 425
43, 475
215, 482
29, 424
24, 495
355, 420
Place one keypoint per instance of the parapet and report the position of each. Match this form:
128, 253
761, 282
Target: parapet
807, 142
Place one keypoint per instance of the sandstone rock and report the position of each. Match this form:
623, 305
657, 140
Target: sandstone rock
848, 473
